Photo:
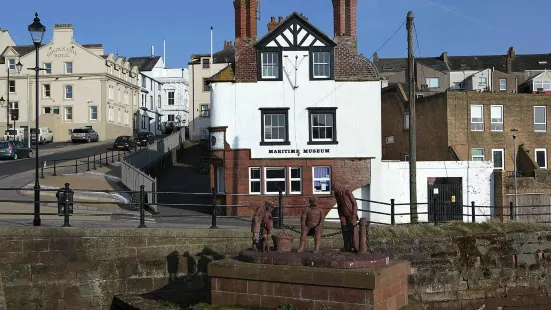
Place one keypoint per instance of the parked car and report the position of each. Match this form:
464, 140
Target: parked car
145, 138
45, 135
17, 134
125, 143
8, 150
84, 134
26, 149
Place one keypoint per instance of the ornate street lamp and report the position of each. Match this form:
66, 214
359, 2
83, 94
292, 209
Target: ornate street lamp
514, 133
37, 31
2, 102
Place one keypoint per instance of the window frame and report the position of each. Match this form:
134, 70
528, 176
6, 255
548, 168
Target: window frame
405, 123
500, 88
482, 81
10, 87
65, 113
49, 86
483, 156
259, 180
65, 92
269, 111
203, 63
544, 117
279, 53
314, 179
173, 97
492, 119
266, 180
169, 116
206, 86
11, 64
13, 106
207, 110
291, 180
45, 67
432, 78
471, 116
544, 150
67, 66
159, 99
502, 158
327, 110
90, 112
329, 50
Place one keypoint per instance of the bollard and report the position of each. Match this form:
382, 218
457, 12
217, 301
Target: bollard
280, 222
119, 155
88, 163
42, 170
55, 174
94, 162
76, 165
435, 211
213, 218
473, 216
100, 164
392, 205
106, 158
363, 236
142, 207
66, 208
511, 210
112, 157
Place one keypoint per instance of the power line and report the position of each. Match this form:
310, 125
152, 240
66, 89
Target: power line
395, 32
419, 51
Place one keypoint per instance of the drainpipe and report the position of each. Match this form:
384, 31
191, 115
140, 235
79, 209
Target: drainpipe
192, 128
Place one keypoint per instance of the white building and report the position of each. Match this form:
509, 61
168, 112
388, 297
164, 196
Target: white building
150, 102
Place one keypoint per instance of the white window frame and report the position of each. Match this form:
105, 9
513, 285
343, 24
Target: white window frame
67, 65
204, 112
259, 180
546, 85
272, 126
502, 158
502, 84
12, 87
119, 116
44, 86
481, 157
11, 64
266, 180
270, 60
14, 106
46, 70
406, 121
220, 180
544, 119
482, 81
497, 122
65, 88
110, 114
325, 65
536, 157
91, 113
431, 79
327, 125
322, 179
291, 180
65, 114
111, 92
171, 100
481, 115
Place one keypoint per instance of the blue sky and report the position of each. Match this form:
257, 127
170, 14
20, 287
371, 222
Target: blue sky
459, 27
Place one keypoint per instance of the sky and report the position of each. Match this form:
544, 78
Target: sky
468, 27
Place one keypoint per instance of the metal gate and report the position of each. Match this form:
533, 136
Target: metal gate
445, 202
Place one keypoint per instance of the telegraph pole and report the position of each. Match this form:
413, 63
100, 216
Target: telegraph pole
412, 127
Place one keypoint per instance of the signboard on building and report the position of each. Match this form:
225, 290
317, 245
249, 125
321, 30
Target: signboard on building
62, 52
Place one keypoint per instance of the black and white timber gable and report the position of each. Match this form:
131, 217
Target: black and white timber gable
295, 33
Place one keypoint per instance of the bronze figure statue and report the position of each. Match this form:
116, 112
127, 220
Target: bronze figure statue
348, 214
312, 223
262, 219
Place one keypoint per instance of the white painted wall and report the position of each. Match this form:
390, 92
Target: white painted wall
390, 180
459, 76
358, 119
473, 83
151, 94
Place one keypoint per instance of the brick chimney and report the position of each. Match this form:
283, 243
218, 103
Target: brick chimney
510, 58
273, 24
344, 22
245, 37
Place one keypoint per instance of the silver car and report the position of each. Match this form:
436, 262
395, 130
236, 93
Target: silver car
84, 134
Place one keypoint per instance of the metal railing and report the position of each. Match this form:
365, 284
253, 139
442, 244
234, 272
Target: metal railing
80, 164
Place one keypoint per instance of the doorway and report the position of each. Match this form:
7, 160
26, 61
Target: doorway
445, 199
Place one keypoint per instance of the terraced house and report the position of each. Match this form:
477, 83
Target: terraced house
79, 86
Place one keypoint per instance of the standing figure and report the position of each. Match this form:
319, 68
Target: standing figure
312, 218
267, 226
258, 219
348, 214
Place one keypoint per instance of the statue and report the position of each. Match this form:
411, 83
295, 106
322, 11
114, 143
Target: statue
262, 218
348, 214
312, 223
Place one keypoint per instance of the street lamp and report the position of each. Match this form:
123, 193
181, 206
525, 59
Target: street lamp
37, 31
514, 133
2, 102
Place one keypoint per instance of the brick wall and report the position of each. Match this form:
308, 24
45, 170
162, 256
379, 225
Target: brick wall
245, 60
352, 67
344, 17
392, 125
509, 78
352, 173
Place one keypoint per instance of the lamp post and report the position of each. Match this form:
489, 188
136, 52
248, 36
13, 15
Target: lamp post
2, 102
37, 34
514, 133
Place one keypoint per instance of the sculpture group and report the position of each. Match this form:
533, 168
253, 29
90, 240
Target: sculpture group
312, 223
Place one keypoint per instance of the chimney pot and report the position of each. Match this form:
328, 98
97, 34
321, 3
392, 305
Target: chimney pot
280, 19
272, 19
444, 57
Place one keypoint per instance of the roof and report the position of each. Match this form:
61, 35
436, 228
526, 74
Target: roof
399, 64
92, 45
23, 49
226, 55
477, 63
225, 75
144, 63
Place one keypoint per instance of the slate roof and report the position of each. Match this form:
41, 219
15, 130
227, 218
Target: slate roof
144, 63
399, 64
227, 55
225, 75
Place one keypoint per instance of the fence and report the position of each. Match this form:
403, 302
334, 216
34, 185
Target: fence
80, 164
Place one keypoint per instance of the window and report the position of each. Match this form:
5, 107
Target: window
119, 95
206, 63
68, 67
94, 113
204, 110
406, 157
143, 121
143, 100
496, 112
46, 90
111, 90
274, 126
541, 158
477, 118
295, 177
151, 102
545, 85
271, 66
68, 92
119, 116
321, 64
159, 87
170, 98
432, 82
274, 180
482, 80
144, 82
322, 180
11, 64
389, 139
68, 113
48, 68
171, 118
503, 84
406, 121
322, 125
206, 86
126, 117
159, 101
477, 154
498, 158
14, 110
110, 115
12, 86
254, 181
540, 119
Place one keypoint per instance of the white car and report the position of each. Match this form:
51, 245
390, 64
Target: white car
17, 134
45, 135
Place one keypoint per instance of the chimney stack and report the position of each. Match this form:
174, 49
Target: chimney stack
375, 57
509, 61
444, 57
344, 23
273, 24
246, 18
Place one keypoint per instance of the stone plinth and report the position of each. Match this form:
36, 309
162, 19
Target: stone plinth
323, 259
237, 283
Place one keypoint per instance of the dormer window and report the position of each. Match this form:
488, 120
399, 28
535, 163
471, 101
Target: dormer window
542, 62
321, 64
271, 65
11, 64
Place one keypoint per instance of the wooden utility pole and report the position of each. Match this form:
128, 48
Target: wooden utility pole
412, 121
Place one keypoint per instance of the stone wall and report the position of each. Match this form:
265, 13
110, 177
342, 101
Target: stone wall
2, 296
